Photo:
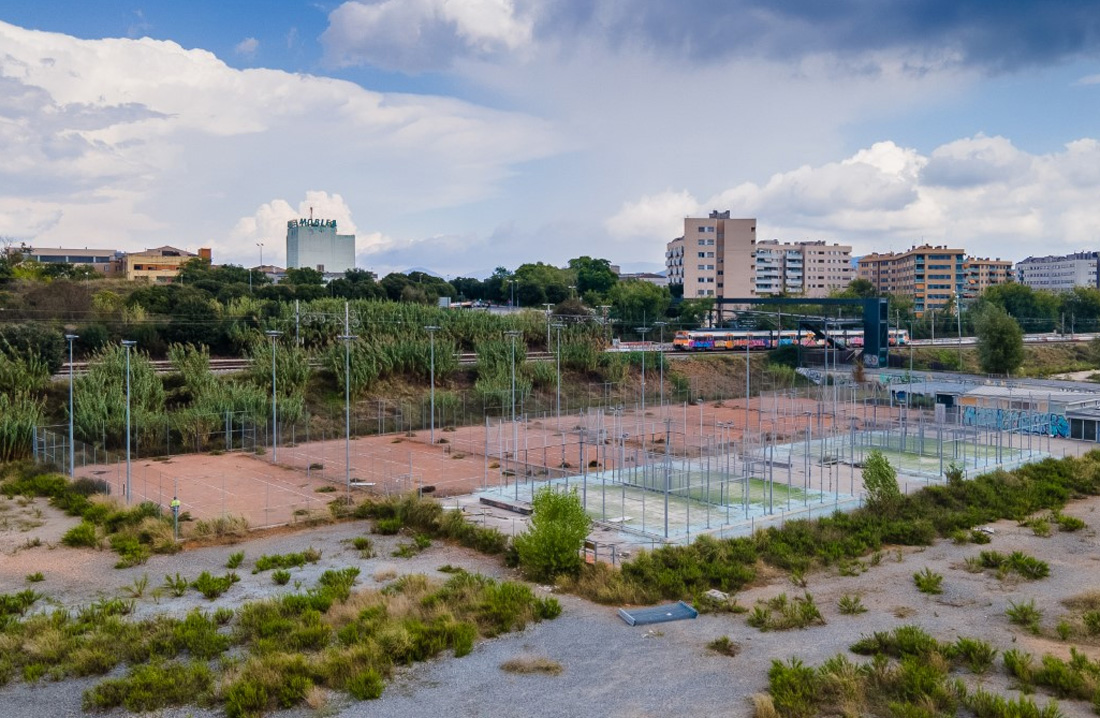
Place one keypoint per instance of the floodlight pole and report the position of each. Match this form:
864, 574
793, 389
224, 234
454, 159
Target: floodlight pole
661, 353
432, 329
642, 331
513, 333
128, 343
558, 326
72, 452
347, 338
274, 416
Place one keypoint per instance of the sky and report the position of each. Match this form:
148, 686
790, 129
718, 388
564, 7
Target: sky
461, 135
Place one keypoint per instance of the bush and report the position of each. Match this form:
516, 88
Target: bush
552, 544
213, 586
928, 581
880, 481
84, 534
235, 560
151, 687
1024, 614
366, 685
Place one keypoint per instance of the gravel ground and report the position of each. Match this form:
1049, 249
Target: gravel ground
610, 669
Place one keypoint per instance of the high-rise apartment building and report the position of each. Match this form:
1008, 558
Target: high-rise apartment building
1059, 273
314, 243
930, 275
811, 269
983, 273
714, 257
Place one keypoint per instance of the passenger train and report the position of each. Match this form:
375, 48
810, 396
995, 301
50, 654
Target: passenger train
727, 339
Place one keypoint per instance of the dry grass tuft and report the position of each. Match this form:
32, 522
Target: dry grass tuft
532, 664
1087, 601
763, 706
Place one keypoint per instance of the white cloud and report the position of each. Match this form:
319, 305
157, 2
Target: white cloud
1089, 80
1000, 200
418, 35
134, 143
247, 47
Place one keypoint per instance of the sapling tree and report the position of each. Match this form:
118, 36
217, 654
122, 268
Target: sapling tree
551, 546
880, 481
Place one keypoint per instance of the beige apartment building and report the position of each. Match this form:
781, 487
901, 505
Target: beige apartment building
714, 257
160, 265
983, 273
809, 269
930, 275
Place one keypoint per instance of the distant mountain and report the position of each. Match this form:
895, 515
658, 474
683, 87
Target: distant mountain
425, 270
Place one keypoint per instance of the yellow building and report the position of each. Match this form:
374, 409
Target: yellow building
160, 265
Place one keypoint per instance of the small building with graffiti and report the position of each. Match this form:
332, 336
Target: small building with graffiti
1026, 410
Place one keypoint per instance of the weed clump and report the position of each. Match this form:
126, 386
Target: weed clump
780, 613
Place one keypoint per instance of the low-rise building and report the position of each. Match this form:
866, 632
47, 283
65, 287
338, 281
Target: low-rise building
1059, 273
107, 262
160, 265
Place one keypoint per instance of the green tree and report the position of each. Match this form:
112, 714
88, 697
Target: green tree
593, 275
880, 481
1000, 342
634, 302
551, 546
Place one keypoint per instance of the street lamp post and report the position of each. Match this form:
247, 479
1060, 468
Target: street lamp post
558, 326
261, 246
72, 452
274, 415
128, 343
548, 314
642, 331
432, 329
661, 354
512, 303
513, 333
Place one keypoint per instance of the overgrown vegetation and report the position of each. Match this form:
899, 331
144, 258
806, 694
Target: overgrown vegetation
781, 614
909, 674
133, 533
551, 545
327, 636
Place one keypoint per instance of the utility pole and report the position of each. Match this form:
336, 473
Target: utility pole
128, 343
72, 452
661, 357
432, 329
274, 415
642, 331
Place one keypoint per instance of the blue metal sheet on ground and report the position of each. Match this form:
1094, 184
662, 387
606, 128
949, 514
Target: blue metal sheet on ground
658, 614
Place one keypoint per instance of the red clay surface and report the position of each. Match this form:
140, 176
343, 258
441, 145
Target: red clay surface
463, 460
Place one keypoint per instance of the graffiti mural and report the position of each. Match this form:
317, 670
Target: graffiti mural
1024, 422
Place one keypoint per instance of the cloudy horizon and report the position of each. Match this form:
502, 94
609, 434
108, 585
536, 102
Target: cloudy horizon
459, 136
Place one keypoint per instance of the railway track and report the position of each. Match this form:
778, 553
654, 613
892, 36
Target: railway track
228, 366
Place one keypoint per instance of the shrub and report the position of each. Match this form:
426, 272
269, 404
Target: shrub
213, 586
235, 560
725, 646
281, 577
35, 577
83, 534
287, 560
151, 687
928, 581
245, 698
977, 655
880, 480
793, 687
1024, 614
365, 685
780, 613
178, 585
851, 605
559, 526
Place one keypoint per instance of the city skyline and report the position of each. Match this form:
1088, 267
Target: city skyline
462, 136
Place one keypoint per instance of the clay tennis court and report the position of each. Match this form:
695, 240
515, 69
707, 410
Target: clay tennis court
307, 476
